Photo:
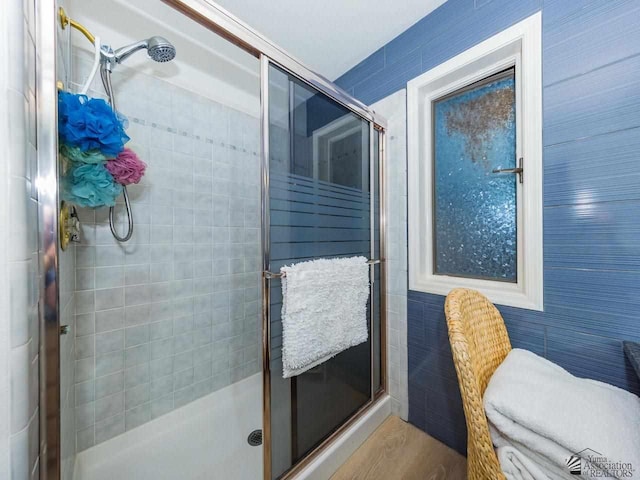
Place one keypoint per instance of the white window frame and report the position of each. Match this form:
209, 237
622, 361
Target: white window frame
519, 46
334, 131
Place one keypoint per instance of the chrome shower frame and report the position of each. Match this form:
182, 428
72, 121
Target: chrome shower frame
46, 185
377, 124
218, 20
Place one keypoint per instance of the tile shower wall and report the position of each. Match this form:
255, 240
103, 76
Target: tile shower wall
393, 108
19, 335
173, 314
591, 54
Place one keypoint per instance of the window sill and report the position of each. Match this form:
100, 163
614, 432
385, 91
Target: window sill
500, 293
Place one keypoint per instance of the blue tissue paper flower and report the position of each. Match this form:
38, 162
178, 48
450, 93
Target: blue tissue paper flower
90, 185
90, 124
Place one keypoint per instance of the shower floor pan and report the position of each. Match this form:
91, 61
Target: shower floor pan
206, 439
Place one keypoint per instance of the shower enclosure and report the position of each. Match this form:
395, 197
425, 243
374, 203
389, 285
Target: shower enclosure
168, 364
320, 199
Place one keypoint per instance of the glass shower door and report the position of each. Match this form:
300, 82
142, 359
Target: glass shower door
320, 206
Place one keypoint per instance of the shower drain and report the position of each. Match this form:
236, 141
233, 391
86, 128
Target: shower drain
255, 438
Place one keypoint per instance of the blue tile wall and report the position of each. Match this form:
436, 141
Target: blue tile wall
591, 60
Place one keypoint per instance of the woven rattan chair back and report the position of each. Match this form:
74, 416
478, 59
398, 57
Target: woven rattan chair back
479, 343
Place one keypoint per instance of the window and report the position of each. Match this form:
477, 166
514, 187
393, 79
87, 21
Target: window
475, 171
336, 148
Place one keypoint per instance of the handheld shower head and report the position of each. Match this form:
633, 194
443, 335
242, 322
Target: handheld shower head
159, 49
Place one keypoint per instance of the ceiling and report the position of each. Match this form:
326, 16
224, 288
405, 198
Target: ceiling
330, 36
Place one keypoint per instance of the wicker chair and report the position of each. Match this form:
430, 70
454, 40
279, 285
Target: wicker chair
479, 342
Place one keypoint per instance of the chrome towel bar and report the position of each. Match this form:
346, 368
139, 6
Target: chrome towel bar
273, 275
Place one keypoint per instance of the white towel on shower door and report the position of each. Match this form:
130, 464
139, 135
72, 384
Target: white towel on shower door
324, 310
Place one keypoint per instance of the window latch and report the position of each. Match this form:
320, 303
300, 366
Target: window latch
519, 170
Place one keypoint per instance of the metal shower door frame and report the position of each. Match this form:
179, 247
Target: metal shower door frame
265, 63
46, 185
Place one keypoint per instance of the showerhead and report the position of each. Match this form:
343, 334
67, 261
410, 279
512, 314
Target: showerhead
159, 49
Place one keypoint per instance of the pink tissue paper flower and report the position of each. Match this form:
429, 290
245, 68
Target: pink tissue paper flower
127, 167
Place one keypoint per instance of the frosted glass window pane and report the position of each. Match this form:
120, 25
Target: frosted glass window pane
475, 209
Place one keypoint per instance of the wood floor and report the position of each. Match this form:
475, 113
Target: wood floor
399, 451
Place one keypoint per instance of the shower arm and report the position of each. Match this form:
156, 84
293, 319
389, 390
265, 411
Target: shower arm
121, 54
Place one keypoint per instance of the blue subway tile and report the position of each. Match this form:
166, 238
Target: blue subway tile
417, 406
481, 3
590, 38
601, 302
578, 172
526, 335
448, 425
425, 298
431, 26
440, 429
367, 67
590, 321
393, 78
596, 236
557, 10
472, 27
591, 356
415, 308
599, 102
444, 403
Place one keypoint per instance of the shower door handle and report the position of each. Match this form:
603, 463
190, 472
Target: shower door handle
272, 275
